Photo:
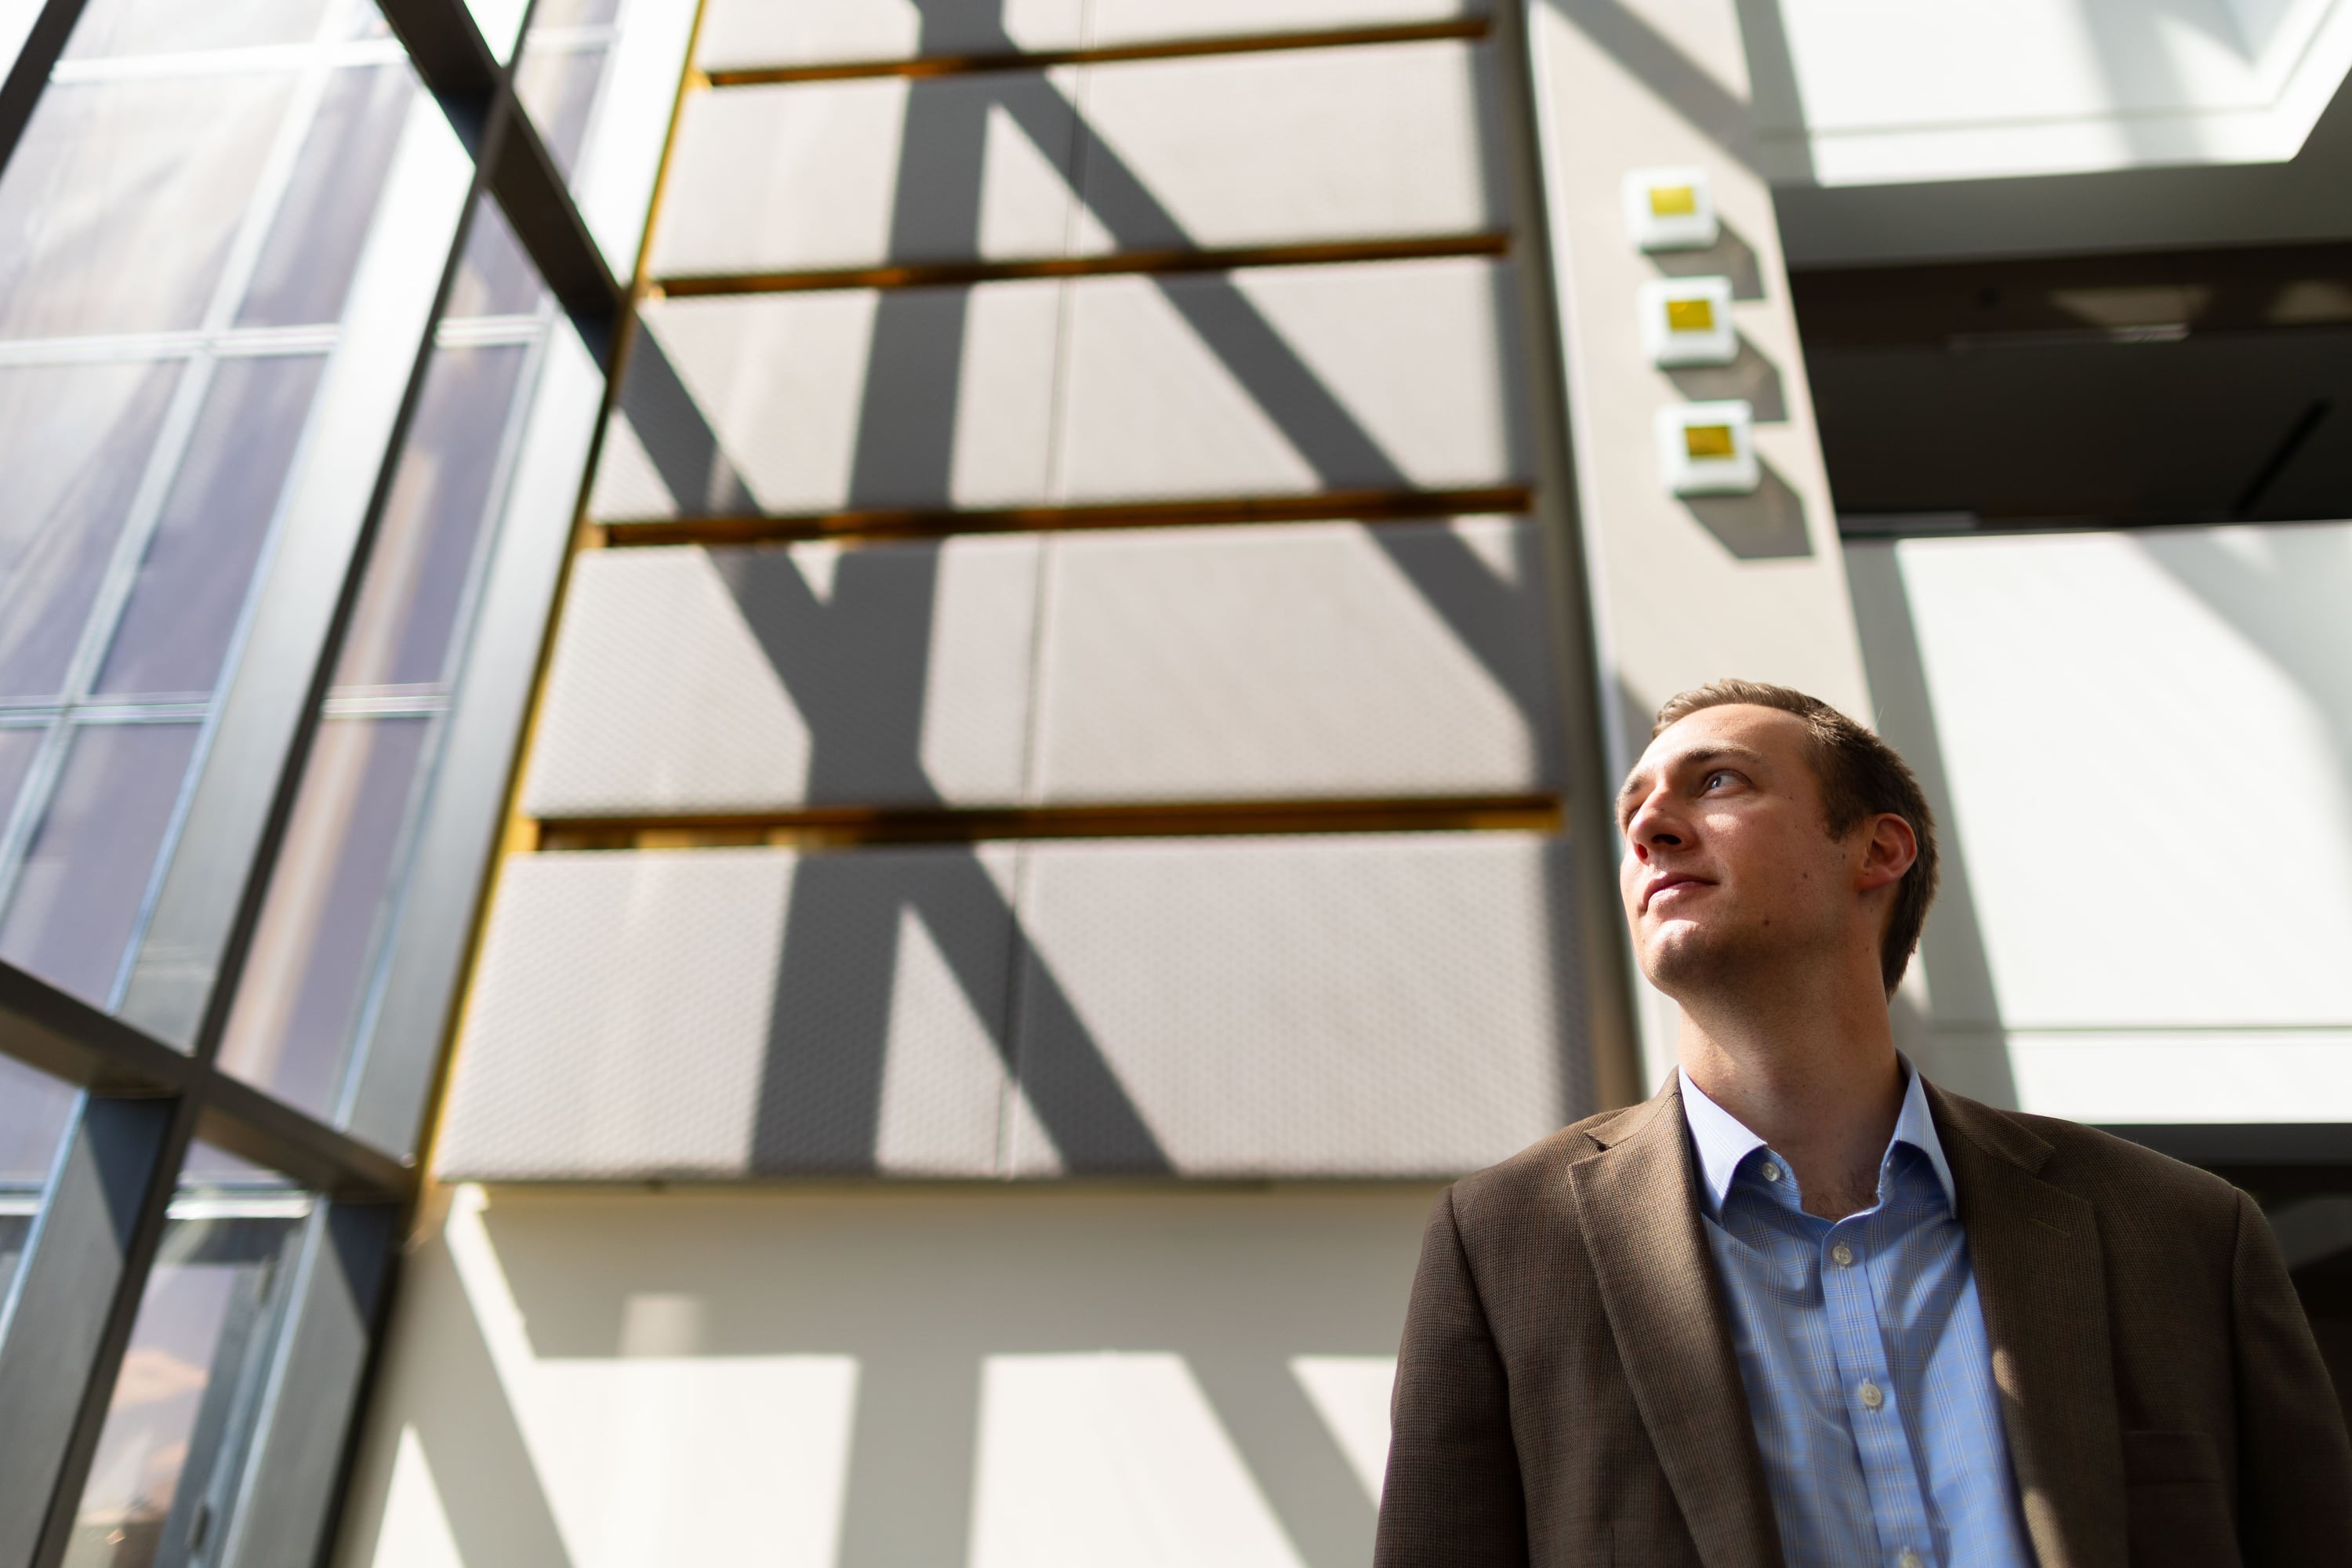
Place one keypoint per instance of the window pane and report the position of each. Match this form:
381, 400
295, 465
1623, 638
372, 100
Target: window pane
306, 270
117, 211
86, 874
19, 747
495, 276
556, 88
433, 524
74, 440
183, 1404
312, 954
200, 557
176, 26
553, 15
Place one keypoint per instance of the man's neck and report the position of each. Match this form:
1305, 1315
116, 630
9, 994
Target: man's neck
1815, 1077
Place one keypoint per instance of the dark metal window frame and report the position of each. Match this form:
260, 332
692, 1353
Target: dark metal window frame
67, 1319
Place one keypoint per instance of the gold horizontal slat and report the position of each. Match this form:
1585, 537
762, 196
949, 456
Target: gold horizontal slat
1323, 506
1174, 49
844, 827
955, 274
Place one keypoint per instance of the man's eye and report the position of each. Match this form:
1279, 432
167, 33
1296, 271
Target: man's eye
1719, 776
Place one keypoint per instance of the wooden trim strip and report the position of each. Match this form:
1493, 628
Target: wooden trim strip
846, 827
1468, 27
958, 274
1325, 506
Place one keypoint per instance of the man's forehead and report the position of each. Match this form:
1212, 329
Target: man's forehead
1732, 729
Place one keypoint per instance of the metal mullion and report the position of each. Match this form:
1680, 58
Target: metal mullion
418, 813
288, 1494
532, 193
67, 1038
28, 75
336, 498
92, 1246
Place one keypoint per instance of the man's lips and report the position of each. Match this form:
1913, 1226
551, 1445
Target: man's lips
1669, 883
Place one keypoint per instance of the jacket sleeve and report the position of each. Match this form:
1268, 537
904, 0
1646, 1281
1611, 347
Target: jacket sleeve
1452, 1495
2294, 1466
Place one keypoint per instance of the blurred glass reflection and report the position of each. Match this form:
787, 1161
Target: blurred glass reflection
200, 560
306, 979
85, 878
184, 1403
74, 440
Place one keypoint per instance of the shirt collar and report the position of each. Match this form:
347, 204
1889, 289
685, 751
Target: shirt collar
1724, 1142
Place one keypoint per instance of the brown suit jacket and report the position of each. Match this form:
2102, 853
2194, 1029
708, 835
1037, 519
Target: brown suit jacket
1567, 1393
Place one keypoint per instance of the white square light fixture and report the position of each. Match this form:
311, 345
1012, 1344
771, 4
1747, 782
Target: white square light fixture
1671, 209
1709, 449
1688, 320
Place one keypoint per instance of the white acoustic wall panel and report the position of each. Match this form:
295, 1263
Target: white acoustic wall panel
1117, 22
695, 682
827, 174
833, 399
1293, 146
1316, 1006
1317, 660
733, 1012
744, 34
1282, 380
2143, 740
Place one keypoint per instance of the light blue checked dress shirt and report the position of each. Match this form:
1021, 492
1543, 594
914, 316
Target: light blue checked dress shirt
1863, 1349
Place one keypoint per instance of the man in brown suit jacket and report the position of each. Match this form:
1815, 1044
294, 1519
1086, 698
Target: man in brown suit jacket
1580, 1384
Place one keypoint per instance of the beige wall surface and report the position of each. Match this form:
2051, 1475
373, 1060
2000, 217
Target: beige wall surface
1683, 591
871, 1379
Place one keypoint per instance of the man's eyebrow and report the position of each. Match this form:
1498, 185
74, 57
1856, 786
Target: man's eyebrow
1636, 782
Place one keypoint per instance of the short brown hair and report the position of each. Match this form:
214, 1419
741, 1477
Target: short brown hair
1861, 775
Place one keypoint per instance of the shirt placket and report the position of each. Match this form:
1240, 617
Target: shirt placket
1875, 1410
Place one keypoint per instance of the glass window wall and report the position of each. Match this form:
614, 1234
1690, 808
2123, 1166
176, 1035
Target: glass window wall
181, 225
191, 1381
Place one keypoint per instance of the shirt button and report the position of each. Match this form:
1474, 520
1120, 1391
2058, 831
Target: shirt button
1909, 1559
1871, 1398
1842, 1255
1772, 1171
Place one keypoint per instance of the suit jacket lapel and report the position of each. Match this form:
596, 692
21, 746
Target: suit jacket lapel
1639, 1214
2040, 1281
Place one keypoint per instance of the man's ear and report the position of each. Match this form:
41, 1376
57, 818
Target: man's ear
1890, 850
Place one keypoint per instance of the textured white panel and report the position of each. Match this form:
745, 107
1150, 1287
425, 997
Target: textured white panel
2118, 714
746, 33
846, 398
1293, 146
822, 174
728, 1013
1287, 379
1357, 1005
1111, 1457
1332, 660
1146, 21
697, 682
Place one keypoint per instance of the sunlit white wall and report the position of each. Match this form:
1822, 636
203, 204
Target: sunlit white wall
1869, 92
2142, 747
862, 1377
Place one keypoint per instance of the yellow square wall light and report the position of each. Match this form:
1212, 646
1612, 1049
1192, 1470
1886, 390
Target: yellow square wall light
1709, 448
1671, 209
1688, 320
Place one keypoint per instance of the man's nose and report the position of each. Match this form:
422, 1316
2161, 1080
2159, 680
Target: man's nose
1652, 828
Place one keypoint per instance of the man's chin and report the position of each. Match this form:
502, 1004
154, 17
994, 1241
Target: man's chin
1678, 953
